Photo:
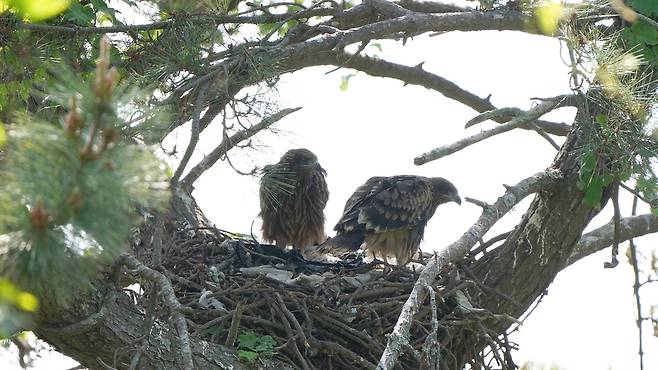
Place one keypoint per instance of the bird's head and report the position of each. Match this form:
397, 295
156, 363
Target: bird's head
444, 191
301, 161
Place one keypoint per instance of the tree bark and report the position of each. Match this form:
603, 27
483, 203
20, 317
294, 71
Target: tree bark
540, 246
102, 326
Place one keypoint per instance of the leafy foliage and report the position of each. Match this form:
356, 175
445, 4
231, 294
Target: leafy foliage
252, 346
70, 190
619, 144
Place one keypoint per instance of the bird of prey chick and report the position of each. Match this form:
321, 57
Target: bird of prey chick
388, 215
293, 194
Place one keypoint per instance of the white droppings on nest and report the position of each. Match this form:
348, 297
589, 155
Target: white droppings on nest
286, 277
207, 302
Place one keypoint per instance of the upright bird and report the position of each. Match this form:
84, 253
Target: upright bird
293, 194
388, 215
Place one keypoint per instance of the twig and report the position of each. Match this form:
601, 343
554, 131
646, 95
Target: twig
491, 114
235, 326
478, 203
194, 136
431, 346
544, 135
229, 142
419, 76
170, 299
636, 193
636, 289
293, 344
520, 120
483, 246
455, 251
617, 223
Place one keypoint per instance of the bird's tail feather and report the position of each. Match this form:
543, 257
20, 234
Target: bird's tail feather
351, 240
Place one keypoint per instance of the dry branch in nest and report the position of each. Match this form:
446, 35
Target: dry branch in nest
321, 315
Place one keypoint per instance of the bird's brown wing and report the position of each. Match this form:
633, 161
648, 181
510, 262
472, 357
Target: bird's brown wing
387, 203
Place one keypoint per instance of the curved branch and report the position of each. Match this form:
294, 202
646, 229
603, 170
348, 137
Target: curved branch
229, 142
522, 119
603, 237
418, 76
327, 50
490, 215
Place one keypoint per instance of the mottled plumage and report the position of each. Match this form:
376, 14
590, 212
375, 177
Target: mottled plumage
387, 215
293, 194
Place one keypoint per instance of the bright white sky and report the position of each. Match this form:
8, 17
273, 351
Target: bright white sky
378, 126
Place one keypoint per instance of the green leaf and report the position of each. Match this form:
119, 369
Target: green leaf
345, 81
378, 46
80, 15
587, 167
266, 28
3, 135
594, 191
248, 339
101, 5
646, 7
247, 355
645, 33
265, 344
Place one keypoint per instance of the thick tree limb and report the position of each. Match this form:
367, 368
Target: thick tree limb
518, 121
603, 237
431, 6
229, 142
241, 71
490, 215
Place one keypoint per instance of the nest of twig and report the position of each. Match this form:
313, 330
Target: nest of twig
320, 315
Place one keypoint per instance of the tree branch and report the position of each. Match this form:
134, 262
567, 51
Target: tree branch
490, 215
327, 50
603, 237
171, 301
197, 19
230, 142
518, 121
418, 76
194, 136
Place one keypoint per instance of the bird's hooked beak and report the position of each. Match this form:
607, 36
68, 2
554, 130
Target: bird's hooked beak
457, 199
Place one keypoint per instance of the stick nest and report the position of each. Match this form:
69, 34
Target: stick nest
320, 315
